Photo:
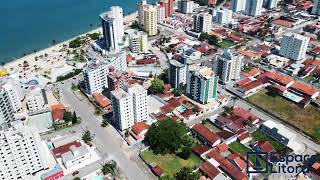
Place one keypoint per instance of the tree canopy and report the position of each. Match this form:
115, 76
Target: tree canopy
110, 168
166, 136
212, 39
187, 174
157, 86
87, 137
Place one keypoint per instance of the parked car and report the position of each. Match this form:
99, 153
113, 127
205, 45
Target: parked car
75, 173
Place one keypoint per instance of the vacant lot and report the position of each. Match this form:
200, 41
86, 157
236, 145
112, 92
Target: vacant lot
171, 163
226, 44
307, 119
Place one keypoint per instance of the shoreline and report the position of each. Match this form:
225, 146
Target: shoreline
127, 19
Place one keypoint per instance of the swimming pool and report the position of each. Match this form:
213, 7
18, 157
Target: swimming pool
181, 109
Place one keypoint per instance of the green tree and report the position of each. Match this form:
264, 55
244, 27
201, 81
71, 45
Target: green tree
110, 168
164, 76
67, 116
219, 2
75, 43
77, 178
212, 39
185, 153
187, 174
94, 36
157, 86
87, 137
167, 177
166, 136
74, 118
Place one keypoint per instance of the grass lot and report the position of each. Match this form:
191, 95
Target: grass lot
307, 119
226, 44
237, 147
259, 135
310, 78
170, 162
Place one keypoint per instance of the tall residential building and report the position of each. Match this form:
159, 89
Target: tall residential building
253, 7
6, 109
161, 12
238, 5
294, 46
185, 6
141, 9
116, 79
316, 7
112, 26
208, 2
270, 4
202, 22
223, 16
95, 73
169, 7
228, 66
177, 73
150, 20
36, 100
139, 101
138, 42
14, 94
20, 152
202, 84
122, 107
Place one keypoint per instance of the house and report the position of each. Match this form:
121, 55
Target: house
279, 78
211, 171
201, 150
103, 101
277, 131
304, 89
140, 128
252, 87
263, 146
206, 134
236, 160
315, 170
158, 171
57, 111
243, 136
53, 174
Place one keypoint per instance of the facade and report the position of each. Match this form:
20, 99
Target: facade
150, 20
228, 66
138, 42
20, 149
116, 79
202, 22
95, 73
202, 84
270, 4
316, 7
177, 74
169, 7
14, 95
294, 46
238, 5
75, 155
36, 100
122, 105
161, 12
185, 6
140, 102
112, 27
253, 7
142, 6
223, 16
6, 108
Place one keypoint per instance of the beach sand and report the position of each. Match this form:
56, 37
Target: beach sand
50, 62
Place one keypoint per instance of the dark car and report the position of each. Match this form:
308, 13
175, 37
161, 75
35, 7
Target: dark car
75, 173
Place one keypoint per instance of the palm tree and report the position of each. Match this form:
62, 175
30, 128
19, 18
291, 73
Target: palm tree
110, 168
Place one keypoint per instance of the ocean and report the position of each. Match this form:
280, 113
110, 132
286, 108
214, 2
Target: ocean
31, 25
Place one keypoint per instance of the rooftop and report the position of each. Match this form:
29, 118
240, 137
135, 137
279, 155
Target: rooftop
64, 148
120, 94
139, 127
205, 132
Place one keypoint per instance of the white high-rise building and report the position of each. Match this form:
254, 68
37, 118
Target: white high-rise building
177, 74
228, 66
6, 109
150, 20
202, 22
294, 46
223, 16
185, 6
138, 42
142, 6
316, 7
36, 100
270, 4
238, 5
21, 153
15, 95
122, 106
161, 12
139, 100
112, 26
95, 73
253, 7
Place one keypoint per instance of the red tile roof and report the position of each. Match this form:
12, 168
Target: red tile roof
283, 23
157, 170
307, 89
233, 171
244, 82
255, 72
265, 146
101, 100
204, 132
240, 162
209, 170
139, 127
199, 150
222, 147
251, 85
249, 54
64, 148
238, 111
280, 88
227, 134
244, 136
57, 111
174, 102
166, 109
235, 37
187, 113
279, 77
